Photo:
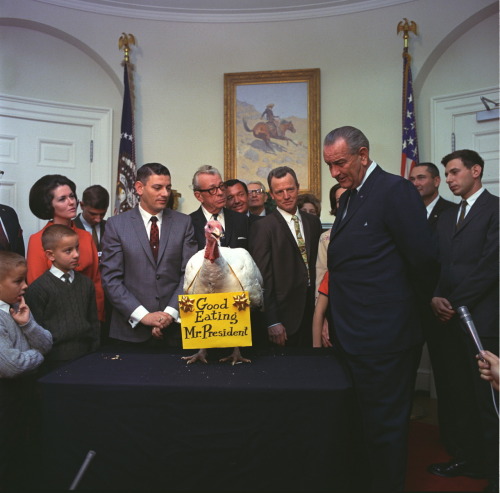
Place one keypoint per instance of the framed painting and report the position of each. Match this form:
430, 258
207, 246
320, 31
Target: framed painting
272, 119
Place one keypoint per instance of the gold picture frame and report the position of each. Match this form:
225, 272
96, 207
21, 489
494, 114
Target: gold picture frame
256, 140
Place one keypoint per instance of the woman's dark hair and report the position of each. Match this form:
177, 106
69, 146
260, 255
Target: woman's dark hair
333, 199
310, 198
41, 194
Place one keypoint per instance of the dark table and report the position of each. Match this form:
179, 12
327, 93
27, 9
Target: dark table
281, 423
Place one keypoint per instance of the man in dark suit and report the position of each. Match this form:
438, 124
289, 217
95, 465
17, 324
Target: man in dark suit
94, 205
381, 259
237, 199
145, 252
11, 234
284, 245
468, 245
210, 190
425, 177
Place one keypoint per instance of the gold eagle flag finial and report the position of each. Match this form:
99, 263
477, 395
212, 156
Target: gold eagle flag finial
407, 27
124, 44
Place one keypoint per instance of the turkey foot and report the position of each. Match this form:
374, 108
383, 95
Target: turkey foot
201, 355
235, 357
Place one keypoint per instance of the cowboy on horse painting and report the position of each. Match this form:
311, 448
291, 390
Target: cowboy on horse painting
273, 128
272, 120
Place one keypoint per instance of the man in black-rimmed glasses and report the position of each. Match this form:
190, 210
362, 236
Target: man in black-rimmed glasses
209, 189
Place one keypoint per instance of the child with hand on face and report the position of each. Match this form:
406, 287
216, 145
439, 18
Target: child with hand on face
23, 344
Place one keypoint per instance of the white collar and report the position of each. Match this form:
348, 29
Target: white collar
5, 307
209, 215
146, 216
369, 171
59, 273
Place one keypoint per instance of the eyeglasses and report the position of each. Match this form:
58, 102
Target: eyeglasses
213, 190
258, 191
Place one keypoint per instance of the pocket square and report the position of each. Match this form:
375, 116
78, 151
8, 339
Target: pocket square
241, 238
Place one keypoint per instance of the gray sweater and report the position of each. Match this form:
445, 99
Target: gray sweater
21, 347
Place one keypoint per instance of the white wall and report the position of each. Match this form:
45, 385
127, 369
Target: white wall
469, 63
72, 56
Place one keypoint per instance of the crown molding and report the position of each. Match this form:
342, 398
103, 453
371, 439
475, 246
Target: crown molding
286, 12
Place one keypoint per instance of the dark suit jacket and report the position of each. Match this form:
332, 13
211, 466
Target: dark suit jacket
252, 218
13, 228
275, 251
130, 275
235, 229
440, 207
79, 224
469, 262
380, 256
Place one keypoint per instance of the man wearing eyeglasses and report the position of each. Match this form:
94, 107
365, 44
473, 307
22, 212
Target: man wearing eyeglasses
210, 190
257, 197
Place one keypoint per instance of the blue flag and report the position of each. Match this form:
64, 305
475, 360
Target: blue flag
126, 197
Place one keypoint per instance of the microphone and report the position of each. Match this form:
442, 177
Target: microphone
468, 323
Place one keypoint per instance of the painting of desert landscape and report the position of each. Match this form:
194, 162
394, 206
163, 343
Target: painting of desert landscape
272, 130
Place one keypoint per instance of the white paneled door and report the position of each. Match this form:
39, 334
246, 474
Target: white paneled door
35, 142
455, 126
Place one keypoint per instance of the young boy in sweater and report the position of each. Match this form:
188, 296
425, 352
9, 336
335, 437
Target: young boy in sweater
63, 301
22, 346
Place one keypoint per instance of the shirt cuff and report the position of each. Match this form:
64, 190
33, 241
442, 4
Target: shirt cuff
174, 313
273, 325
137, 315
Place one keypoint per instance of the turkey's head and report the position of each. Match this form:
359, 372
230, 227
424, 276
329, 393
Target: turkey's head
213, 232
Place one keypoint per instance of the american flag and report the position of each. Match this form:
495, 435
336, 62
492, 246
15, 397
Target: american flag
409, 155
125, 192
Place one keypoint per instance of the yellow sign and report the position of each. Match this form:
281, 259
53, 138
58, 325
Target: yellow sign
215, 320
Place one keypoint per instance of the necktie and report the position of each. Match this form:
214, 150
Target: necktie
300, 242
95, 237
4, 241
222, 239
66, 277
154, 237
462, 213
350, 201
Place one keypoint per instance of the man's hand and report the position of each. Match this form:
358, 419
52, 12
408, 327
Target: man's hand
325, 335
22, 316
442, 309
277, 334
489, 367
159, 321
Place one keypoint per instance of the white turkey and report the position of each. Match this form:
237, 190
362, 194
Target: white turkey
219, 269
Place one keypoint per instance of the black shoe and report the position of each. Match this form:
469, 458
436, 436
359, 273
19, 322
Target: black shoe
453, 469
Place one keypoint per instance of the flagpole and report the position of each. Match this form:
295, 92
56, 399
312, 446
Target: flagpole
126, 197
409, 152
